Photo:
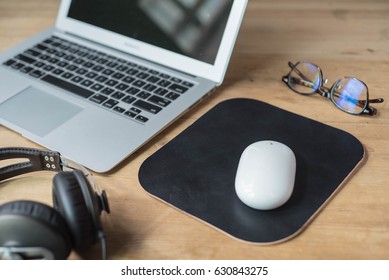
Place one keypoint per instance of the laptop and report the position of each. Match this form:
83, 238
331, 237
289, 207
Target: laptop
110, 75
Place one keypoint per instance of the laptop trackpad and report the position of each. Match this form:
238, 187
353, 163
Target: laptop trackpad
37, 111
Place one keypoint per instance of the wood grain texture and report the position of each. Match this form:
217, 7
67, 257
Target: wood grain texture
344, 37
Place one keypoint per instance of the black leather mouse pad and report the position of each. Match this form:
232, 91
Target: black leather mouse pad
195, 172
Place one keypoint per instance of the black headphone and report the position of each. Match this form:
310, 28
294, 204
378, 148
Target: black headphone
32, 230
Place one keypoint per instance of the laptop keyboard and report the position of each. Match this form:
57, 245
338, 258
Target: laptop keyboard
113, 83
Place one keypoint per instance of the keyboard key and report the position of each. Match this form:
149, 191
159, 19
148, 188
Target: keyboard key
41, 47
91, 75
17, 66
118, 109
44, 57
67, 75
110, 103
132, 64
37, 73
81, 71
165, 76
64, 47
153, 79
66, 85
139, 83
149, 87
26, 59
69, 57
107, 91
172, 95
135, 110
122, 86
9, 62
118, 76
176, 80
97, 87
91, 57
132, 90
76, 79
128, 80
187, 84
72, 67
129, 99
132, 72
118, 95
98, 68
161, 91
101, 79
26, 69
108, 72
98, 98
62, 64
122, 68
143, 75
159, 100
88, 64
130, 114
60, 54
87, 83
178, 88
112, 64
58, 71
48, 68
82, 53
154, 72
147, 106
101, 61
111, 83
78, 61
32, 52
164, 83
143, 95
39, 64
141, 118
53, 60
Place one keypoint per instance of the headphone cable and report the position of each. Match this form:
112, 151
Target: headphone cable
103, 242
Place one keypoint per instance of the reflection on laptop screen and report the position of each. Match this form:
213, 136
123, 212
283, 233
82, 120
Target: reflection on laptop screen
193, 28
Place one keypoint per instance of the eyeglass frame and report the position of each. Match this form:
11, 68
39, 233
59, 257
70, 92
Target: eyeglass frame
329, 92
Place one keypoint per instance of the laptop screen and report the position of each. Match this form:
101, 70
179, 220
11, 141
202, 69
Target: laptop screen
192, 28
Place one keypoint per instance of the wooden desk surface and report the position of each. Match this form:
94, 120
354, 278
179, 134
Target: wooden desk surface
345, 37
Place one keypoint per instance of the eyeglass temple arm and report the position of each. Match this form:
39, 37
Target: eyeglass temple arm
376, 100
371, 110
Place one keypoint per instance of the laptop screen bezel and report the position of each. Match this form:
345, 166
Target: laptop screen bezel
156, 54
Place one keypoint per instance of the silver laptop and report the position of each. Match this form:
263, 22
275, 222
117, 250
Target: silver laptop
112, 74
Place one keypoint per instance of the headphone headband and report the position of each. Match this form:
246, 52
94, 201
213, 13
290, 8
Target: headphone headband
39, 160
77, 200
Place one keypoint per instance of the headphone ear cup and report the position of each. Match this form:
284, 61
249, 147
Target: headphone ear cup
32, 224
69, 200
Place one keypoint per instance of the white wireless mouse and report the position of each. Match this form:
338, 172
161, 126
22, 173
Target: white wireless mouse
265, 175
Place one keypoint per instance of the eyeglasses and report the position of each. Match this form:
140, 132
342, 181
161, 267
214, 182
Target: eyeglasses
348, 94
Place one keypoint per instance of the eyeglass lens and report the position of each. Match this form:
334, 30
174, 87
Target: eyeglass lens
305, 78
350, 95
